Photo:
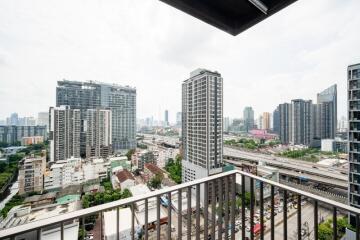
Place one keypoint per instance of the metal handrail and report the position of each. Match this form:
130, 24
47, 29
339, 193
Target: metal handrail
104, 207
80, 214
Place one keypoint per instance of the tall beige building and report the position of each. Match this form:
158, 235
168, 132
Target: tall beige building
31, 174
266, 120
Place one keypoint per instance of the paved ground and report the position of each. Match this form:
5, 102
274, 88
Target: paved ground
307, 219
307, 225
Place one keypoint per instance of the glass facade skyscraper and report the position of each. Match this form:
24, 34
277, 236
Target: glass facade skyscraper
327, 113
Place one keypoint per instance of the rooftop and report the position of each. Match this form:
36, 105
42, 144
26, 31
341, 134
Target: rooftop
153, 168
124, 175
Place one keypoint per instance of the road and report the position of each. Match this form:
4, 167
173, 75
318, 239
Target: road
307, 220
14, 189
291, 166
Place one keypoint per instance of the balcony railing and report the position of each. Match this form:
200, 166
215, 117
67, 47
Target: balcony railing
216, 211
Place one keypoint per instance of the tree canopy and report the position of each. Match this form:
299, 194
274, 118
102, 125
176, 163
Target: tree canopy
174, 169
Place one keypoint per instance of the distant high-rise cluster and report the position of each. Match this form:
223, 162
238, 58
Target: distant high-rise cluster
302, 122
202, 124
15, 120
15, 134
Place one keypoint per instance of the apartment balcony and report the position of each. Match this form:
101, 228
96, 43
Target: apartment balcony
209, 210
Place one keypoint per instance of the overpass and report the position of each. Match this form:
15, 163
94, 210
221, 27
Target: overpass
288, 167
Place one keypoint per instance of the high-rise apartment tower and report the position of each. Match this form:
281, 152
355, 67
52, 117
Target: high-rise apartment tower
202, 124
354, 136
64, 133
121, 100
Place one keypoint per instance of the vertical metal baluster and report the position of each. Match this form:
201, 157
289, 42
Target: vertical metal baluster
242, 207
206, 210
189, 210
227, 207
357, 227
169, 216
316, 221
262, 210
38, 234
83, 227
285, 215
334, 223
233, 203
133, 221
220, 192
62, 230
272, 221
299, 216
213, 209
117, 223
101, 225
146, 220
197, 229
180, 214
158, 217
252, 206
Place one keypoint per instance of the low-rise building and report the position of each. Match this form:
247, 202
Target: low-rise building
164, 154
334, 145
64, 173
95, 169
124, 179
31, 175
119, 163
74, 171
25, 141
141, 189
110, 228
40, 200
139, 158
23, 214
151, 170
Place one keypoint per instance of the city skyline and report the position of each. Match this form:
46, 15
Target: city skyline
300, 60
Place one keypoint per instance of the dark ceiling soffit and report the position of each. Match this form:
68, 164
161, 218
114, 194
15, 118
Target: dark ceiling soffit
229, 24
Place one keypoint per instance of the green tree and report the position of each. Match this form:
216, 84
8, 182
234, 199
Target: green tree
174, 169
130, 153
155, 182
15, 201
85, 202
126, 193
14, 158
82, 234
325, 229
325, 232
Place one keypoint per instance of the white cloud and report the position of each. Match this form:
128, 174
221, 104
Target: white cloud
147, 44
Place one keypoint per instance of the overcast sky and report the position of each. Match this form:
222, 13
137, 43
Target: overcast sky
153, 47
